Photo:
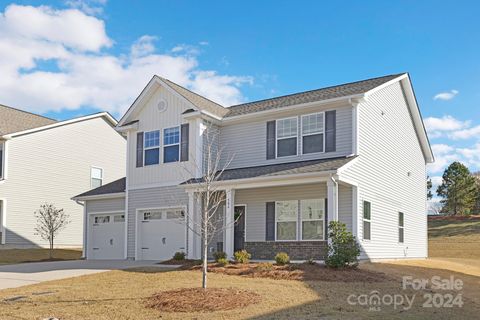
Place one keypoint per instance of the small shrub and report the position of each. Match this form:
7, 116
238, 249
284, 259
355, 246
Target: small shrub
222, 262
242, 256
179, 256
282, 258
264, 266
343, 249
217, 255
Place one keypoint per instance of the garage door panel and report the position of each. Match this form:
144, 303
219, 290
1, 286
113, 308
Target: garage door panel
107, 236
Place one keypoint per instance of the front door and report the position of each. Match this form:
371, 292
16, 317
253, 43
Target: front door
239, 230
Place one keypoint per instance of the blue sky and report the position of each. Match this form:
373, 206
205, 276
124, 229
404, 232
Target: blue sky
77, 57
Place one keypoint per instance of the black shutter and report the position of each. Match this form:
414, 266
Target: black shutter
270, 222
271, 139
330, 131
326, 219
139, 149
184, 143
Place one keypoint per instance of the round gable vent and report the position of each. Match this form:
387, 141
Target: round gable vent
162, 105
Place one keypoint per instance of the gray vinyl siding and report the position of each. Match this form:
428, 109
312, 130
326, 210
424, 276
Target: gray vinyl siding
53, 166
106, 205
256, 200
245, 143
211, 139
345, 207
389, 150
150, 198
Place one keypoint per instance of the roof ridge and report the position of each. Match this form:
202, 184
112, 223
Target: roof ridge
312, 90
24, 111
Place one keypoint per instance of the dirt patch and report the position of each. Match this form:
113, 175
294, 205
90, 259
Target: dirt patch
200, 300
301, 272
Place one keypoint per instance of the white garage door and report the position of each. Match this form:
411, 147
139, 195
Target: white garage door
161, 233
107, 236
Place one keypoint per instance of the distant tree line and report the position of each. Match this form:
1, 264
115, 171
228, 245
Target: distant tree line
459, 191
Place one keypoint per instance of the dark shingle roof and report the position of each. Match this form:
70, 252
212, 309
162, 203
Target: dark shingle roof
14, 120
272, 170
337, 91
116, 186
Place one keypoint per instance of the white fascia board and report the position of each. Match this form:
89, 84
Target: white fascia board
105, 115
100, 196
123, 129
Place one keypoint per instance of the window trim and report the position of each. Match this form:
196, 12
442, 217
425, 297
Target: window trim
301, 220
150, 148
401, 227
173, 144
91, 176
367, 220
277, 138
296, 221
312, 134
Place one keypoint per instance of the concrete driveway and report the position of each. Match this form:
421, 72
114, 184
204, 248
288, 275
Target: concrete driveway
17, 275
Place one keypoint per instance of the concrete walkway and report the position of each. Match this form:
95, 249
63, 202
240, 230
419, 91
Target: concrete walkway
17, 275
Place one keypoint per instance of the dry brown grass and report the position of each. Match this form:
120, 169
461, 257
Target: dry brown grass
123, 295
11, 256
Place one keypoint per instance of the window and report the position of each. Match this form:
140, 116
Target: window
367, 207
96, 177
287, 137
400, 227
175, 214
286, 213
152, 215
313, 132
119, 218
151, 147
102, 219
171, 144
312, 216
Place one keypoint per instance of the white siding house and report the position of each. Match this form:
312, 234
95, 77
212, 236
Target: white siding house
293, 163
49, 162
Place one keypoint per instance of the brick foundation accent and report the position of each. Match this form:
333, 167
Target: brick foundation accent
297, 250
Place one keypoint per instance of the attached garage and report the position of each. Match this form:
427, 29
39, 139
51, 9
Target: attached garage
106, 236
160, 233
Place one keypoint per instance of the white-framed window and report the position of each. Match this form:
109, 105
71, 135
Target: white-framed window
102, 219
367, 220
171, 144
313, 133
151, 147
175, 214
286, 216
313, 219
286, 137
152, 214
96, 177
401, 227
119, 218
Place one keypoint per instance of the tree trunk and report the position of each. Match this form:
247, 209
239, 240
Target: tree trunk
50, 253
205, 264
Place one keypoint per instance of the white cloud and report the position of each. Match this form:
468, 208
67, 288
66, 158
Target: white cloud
90, 7
465, 133
86, 75
446, 95
436, 127
444, 155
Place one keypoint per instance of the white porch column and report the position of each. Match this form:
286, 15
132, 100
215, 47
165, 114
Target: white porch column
193, 219
229, 222
332, 196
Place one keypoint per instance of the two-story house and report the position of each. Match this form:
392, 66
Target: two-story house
355, 153
46, 161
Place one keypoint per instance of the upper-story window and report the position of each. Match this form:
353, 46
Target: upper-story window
96, 177
171, 144
152, 147
313, 132
287, 137
2, 161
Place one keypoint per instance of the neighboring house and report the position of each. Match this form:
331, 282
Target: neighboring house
355, 152
46, 161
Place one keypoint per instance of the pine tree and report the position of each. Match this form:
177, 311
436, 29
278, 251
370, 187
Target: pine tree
458, 190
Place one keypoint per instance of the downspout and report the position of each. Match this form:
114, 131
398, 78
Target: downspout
335, 183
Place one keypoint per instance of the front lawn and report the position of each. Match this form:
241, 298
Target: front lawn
127, 295
12, 256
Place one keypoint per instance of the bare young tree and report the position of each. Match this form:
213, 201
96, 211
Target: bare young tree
211, 198
50, 221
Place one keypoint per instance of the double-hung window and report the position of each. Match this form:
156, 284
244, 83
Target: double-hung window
400, 227
287, 137
152, 147
313, 132
286, 213
367, 216
312, 216
171, 144
96, 177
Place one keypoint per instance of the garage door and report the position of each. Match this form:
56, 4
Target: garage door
107, 236
161, 233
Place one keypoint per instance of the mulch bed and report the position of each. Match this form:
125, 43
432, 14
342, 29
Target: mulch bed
301, 272
198, 299
184, 263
